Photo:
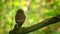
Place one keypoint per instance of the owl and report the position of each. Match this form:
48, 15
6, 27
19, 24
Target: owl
20, 17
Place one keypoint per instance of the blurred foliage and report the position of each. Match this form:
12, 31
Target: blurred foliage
35, 11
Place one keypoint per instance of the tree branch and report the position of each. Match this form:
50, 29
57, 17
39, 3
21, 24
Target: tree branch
39, 25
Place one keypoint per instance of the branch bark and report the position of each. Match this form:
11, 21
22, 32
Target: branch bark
37, 26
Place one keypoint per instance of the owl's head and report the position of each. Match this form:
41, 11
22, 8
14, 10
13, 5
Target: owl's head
20, 11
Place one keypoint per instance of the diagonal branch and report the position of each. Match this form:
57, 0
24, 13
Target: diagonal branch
37, 26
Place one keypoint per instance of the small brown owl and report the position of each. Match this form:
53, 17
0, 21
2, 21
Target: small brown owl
20, 17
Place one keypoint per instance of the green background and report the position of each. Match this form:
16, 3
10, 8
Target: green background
35, 11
